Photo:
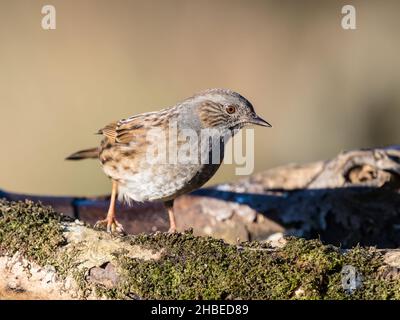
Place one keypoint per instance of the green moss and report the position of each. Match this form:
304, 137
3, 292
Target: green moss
35, 231
80, 277
206, 268
200, 267
30, 228
367, 262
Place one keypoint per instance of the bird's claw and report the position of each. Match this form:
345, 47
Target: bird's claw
111, 225
172, 230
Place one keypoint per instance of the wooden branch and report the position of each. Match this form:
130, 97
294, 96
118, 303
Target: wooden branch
350, 199
353, 198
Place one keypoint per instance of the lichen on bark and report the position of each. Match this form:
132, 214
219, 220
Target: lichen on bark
33, 230
183, 266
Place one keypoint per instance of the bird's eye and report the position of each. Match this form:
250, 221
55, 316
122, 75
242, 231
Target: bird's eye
230, 109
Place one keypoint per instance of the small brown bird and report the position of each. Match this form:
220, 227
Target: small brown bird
140, 175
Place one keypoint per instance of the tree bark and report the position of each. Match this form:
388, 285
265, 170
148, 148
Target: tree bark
91, 264
353, 198
350, 199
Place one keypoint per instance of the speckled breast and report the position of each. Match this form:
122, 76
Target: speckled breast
139, 180
165, 182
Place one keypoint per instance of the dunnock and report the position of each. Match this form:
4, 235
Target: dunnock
124, 155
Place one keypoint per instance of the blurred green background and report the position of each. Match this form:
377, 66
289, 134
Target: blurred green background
323, 88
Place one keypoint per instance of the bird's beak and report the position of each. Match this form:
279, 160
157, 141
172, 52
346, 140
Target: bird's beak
260, 122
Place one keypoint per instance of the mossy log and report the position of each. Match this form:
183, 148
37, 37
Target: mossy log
353, 198
45, 255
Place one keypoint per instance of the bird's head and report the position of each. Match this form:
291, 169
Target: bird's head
226, 109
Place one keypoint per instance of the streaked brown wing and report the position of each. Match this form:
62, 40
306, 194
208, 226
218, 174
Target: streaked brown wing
124, 131
109, 131
129, 130
136, 127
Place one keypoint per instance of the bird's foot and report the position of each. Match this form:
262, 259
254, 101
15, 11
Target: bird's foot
111, 225
172, 230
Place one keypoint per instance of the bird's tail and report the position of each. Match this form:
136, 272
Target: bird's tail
92, 153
